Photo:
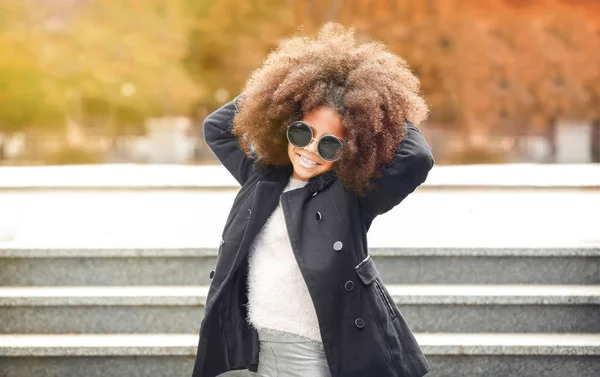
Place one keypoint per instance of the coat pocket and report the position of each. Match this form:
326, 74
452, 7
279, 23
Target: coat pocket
391, 306
369, 276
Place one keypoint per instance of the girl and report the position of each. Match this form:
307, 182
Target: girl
322, 140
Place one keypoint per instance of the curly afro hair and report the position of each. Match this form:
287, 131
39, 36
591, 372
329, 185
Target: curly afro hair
372, 89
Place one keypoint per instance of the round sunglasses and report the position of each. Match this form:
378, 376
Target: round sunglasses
300, 134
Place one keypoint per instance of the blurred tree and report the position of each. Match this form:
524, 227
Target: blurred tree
229, 40
125, 54
25, 91
546, 59
505, 66
486, 67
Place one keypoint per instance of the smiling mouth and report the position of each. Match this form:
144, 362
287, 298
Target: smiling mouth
307, 162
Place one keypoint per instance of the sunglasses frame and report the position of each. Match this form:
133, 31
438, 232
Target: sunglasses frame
287, 134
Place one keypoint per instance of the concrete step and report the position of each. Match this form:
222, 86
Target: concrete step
179, 309
490, 355
475, 206
215, 176
189, 218
38, 266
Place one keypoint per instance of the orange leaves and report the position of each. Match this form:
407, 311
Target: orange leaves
485, 65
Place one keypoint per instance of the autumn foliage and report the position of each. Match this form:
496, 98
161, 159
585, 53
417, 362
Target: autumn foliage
503, 66
487, 67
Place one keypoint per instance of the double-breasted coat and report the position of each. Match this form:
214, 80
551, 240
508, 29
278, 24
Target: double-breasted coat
364, 334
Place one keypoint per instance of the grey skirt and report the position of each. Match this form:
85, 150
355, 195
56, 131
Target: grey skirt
290, 355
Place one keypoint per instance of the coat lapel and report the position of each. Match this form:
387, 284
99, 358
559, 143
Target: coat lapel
264, 203
272, 181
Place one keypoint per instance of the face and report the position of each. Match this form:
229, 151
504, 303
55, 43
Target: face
323, 121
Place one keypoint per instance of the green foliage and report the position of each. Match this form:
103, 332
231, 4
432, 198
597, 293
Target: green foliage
25, 99
229, 39
21, 96
125, 55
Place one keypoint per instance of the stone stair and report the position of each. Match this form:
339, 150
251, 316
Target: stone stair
177, 309
498, 275
78, 311
495, 354
26, 266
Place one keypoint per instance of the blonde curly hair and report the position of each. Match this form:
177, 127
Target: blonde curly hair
372, 89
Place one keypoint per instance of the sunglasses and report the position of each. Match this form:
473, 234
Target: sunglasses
300, 134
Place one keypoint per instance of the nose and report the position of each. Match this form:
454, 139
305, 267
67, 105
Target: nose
312, 146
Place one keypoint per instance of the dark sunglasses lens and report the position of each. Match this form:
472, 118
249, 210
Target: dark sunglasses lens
299, 134
328, 147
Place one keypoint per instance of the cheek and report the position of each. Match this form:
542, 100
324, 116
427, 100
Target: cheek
327, 166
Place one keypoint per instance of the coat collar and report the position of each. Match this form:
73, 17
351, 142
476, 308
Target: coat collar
282, 173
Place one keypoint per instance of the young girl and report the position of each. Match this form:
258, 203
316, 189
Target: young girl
322, 140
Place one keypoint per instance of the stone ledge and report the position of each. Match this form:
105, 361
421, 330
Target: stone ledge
495, 294
432, 294
104, 296
575, 251
98, 345
510, 344
185, 345
16, 251
165, 177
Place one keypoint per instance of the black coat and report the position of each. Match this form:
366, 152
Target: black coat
363, 332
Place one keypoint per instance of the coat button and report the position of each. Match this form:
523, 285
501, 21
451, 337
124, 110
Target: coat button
222, 241
315, 194
359, 323
349, 285
212, 274
319, 216
337, 246
249, 213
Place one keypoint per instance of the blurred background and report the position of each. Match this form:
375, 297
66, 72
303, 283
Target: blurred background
112, 207
90, 81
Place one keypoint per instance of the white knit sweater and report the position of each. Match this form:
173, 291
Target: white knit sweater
278, 298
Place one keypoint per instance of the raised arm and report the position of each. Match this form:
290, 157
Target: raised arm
218, 134
408, 169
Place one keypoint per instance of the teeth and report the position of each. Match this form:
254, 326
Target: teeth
307, 160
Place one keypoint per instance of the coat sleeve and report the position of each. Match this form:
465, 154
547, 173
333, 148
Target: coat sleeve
218, 135
408, 169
